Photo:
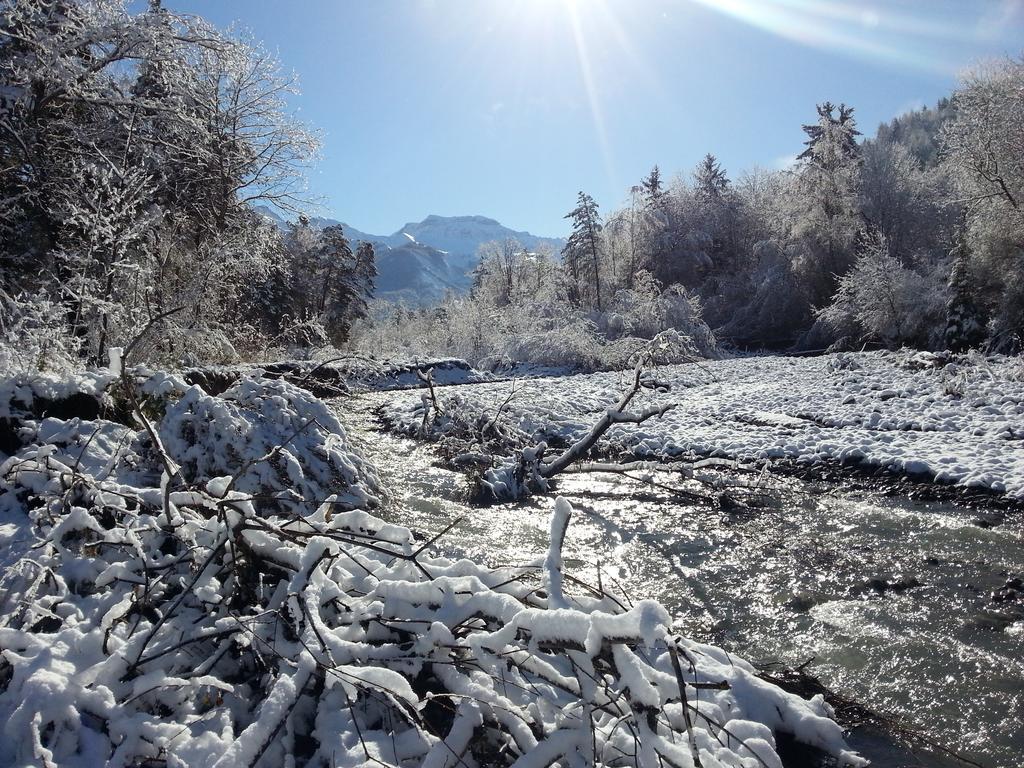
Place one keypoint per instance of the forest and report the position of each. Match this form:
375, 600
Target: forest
911, 238
137, 145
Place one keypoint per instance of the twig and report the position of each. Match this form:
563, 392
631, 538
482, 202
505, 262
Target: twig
683, 698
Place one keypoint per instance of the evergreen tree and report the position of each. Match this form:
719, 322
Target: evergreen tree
709, 180
581, 253
827, 219
964, 326
832, 141
362, 280
654, 226
652, 189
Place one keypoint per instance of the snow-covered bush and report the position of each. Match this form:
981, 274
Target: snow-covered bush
638, 310
32, 337
883, 300
548, 332
683, 315
285, 447
570, 346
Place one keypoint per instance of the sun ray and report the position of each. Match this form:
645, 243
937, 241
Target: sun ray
589, 85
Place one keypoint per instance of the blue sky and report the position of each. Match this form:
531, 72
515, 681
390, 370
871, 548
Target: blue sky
507, 108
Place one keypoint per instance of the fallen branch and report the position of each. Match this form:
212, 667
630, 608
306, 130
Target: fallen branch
530, 472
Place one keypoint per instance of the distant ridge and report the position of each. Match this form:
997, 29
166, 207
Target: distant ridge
423, 261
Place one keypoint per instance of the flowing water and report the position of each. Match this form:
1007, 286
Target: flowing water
892, 598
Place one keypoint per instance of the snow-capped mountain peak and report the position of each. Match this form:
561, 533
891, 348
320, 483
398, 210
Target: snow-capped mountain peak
422, 261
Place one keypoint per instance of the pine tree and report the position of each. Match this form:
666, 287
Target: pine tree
964, 326
828, 182
363, 279
832, 141
345, 279
652, 189
651, 227
709, 180
581, 253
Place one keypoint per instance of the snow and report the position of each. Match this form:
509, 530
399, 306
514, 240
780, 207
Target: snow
290, 446
383, 375
115, 355
553, 561
961, 422
19, 393
252, 602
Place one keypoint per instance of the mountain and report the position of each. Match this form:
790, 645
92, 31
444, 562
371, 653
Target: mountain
424, 260
462, 235
417, 274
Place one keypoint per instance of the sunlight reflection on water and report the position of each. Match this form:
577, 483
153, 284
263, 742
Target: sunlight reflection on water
884, 594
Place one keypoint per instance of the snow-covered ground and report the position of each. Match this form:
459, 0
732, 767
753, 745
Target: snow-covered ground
206, 586
336, 375
953, 421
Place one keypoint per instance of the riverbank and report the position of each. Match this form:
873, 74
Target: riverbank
955, 421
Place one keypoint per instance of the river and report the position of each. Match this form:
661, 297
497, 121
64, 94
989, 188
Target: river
891, 597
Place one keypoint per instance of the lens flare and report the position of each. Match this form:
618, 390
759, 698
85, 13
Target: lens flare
873, 31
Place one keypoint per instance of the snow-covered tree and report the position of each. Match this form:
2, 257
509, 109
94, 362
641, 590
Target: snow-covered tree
825, 216
881, 299
984, 146
582, 253
133, 144
500, 269
652, 187
710, 182
965, 326
910, 205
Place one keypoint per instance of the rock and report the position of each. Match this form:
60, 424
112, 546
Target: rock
731, 504
802, 602
1006, 595
989, 520
926, 360
996, 620
904, 583
1011, 592
880, 585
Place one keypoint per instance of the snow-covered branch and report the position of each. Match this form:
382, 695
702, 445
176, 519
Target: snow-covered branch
530, 471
